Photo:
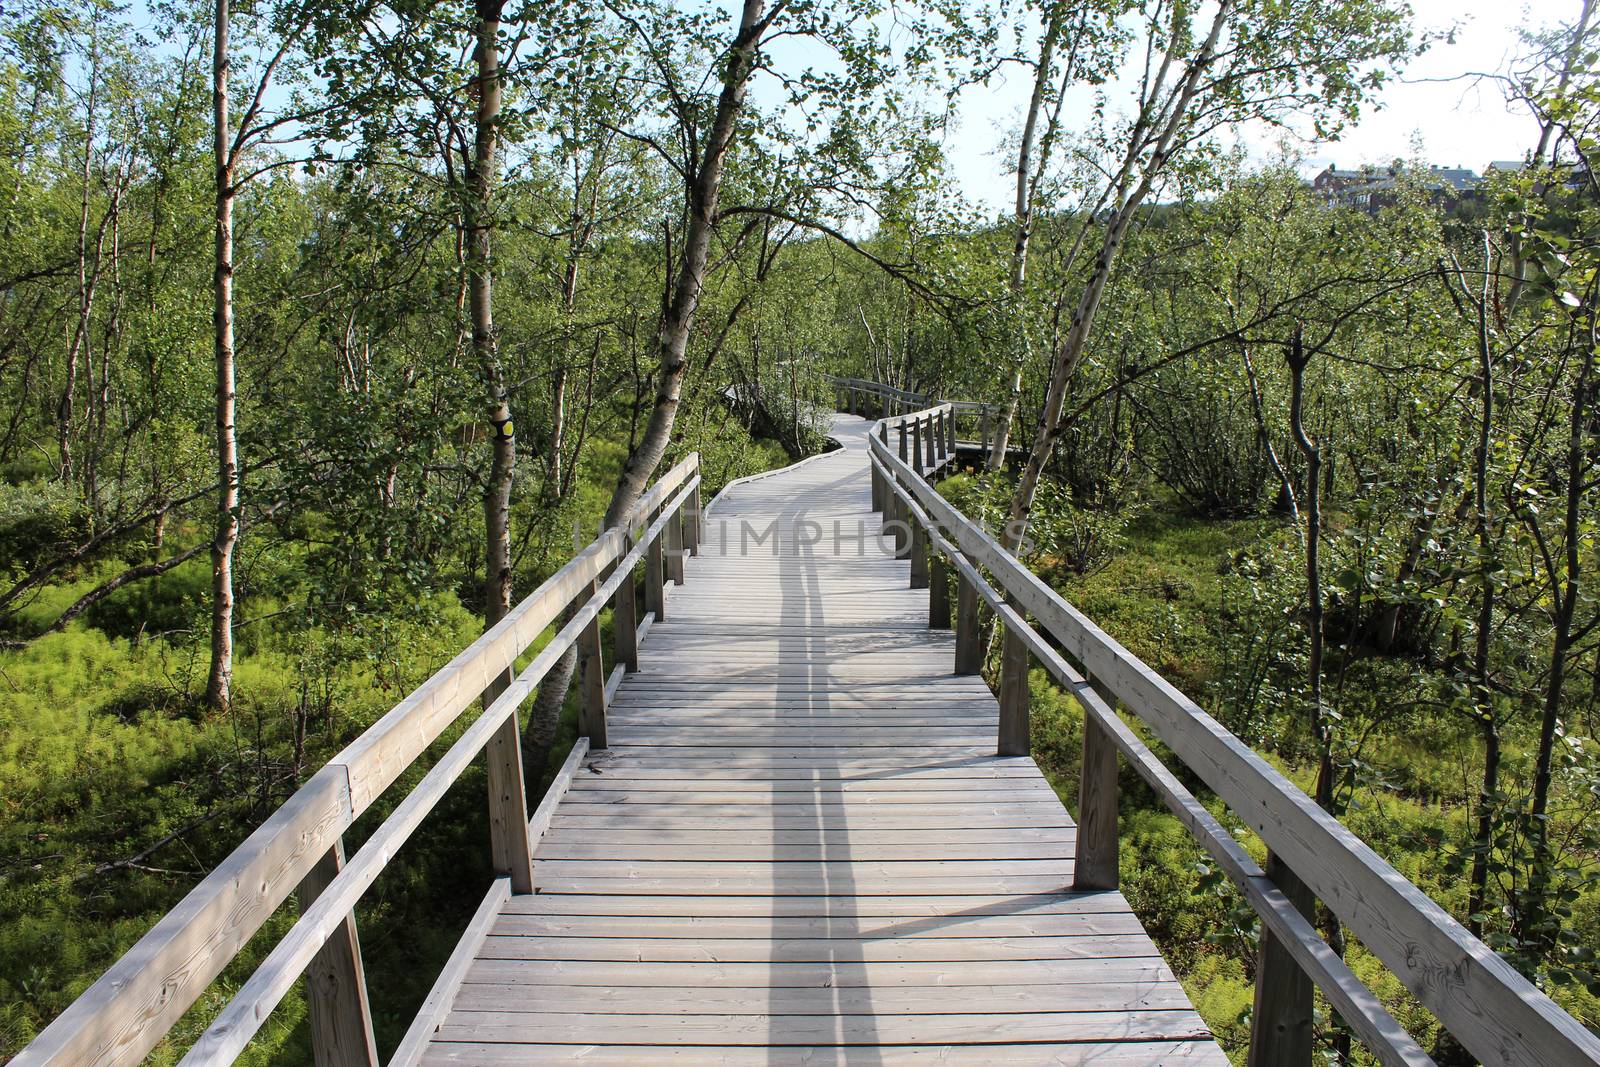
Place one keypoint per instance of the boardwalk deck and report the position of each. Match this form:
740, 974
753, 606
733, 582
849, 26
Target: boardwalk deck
800, 848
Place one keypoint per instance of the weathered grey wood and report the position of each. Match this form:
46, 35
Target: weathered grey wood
919, 557
692, 518
336, 983
625, 623
1013, 738
1282, 1029
510, 851
800, 795
938, 593
673, 546
1097, 811
655, 579
592, 717
123, 1015
969, 635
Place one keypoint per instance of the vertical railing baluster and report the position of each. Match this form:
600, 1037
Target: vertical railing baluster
674, 546
592, 714
336, 982
1095, 866
625, 619
938, 592
1013, 739
919, 553
969, 638
1282, 1025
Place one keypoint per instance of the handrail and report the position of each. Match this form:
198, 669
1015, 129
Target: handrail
124, 1014
1495, 1012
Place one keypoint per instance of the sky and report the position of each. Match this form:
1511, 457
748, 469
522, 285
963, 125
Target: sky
1454, 121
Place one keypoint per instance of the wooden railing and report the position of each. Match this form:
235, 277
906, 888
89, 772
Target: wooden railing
123, 1015
857, 396
1491, 1009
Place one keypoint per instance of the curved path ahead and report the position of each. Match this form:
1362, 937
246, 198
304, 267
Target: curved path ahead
800, 847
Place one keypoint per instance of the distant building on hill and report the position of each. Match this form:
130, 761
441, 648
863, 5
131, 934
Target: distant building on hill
1372, 187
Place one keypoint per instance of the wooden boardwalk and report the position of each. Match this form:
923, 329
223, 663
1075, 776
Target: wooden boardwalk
800, 847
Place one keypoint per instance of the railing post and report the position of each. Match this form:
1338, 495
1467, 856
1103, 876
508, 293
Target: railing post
969, 639
901, 518
904, 456
983, 432
674, 547
1281, 1027
950, 431
1013, 696
655, 581
691, 521
592, 716
336, 983
1095, 866
938, 592
625, 620
930, 450
509, 848
939, 434
877, 488
919, 554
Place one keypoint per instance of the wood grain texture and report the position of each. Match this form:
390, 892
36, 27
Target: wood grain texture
801, 839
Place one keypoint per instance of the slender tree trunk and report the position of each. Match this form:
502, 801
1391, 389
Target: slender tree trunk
1483, 706
1566, 591
1156, 132
672, 337
219, 685
1023, 225
677, 319
87, 275
479, 212
1298, 360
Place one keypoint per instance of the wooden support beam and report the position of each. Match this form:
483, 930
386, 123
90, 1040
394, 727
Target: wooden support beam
1282, 1025
510, 851
877, 490
917, 463
592, 715
691, 522
655, 580
1013, 696
938, 592
673, 550
336, 983
1095, 866
625, 624
919, 556
969, 637
950, 431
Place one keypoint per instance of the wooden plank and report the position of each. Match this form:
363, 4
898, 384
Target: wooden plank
810, 927
856, 1000
1077, 1054
767, 1030
903, 906
831, 974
